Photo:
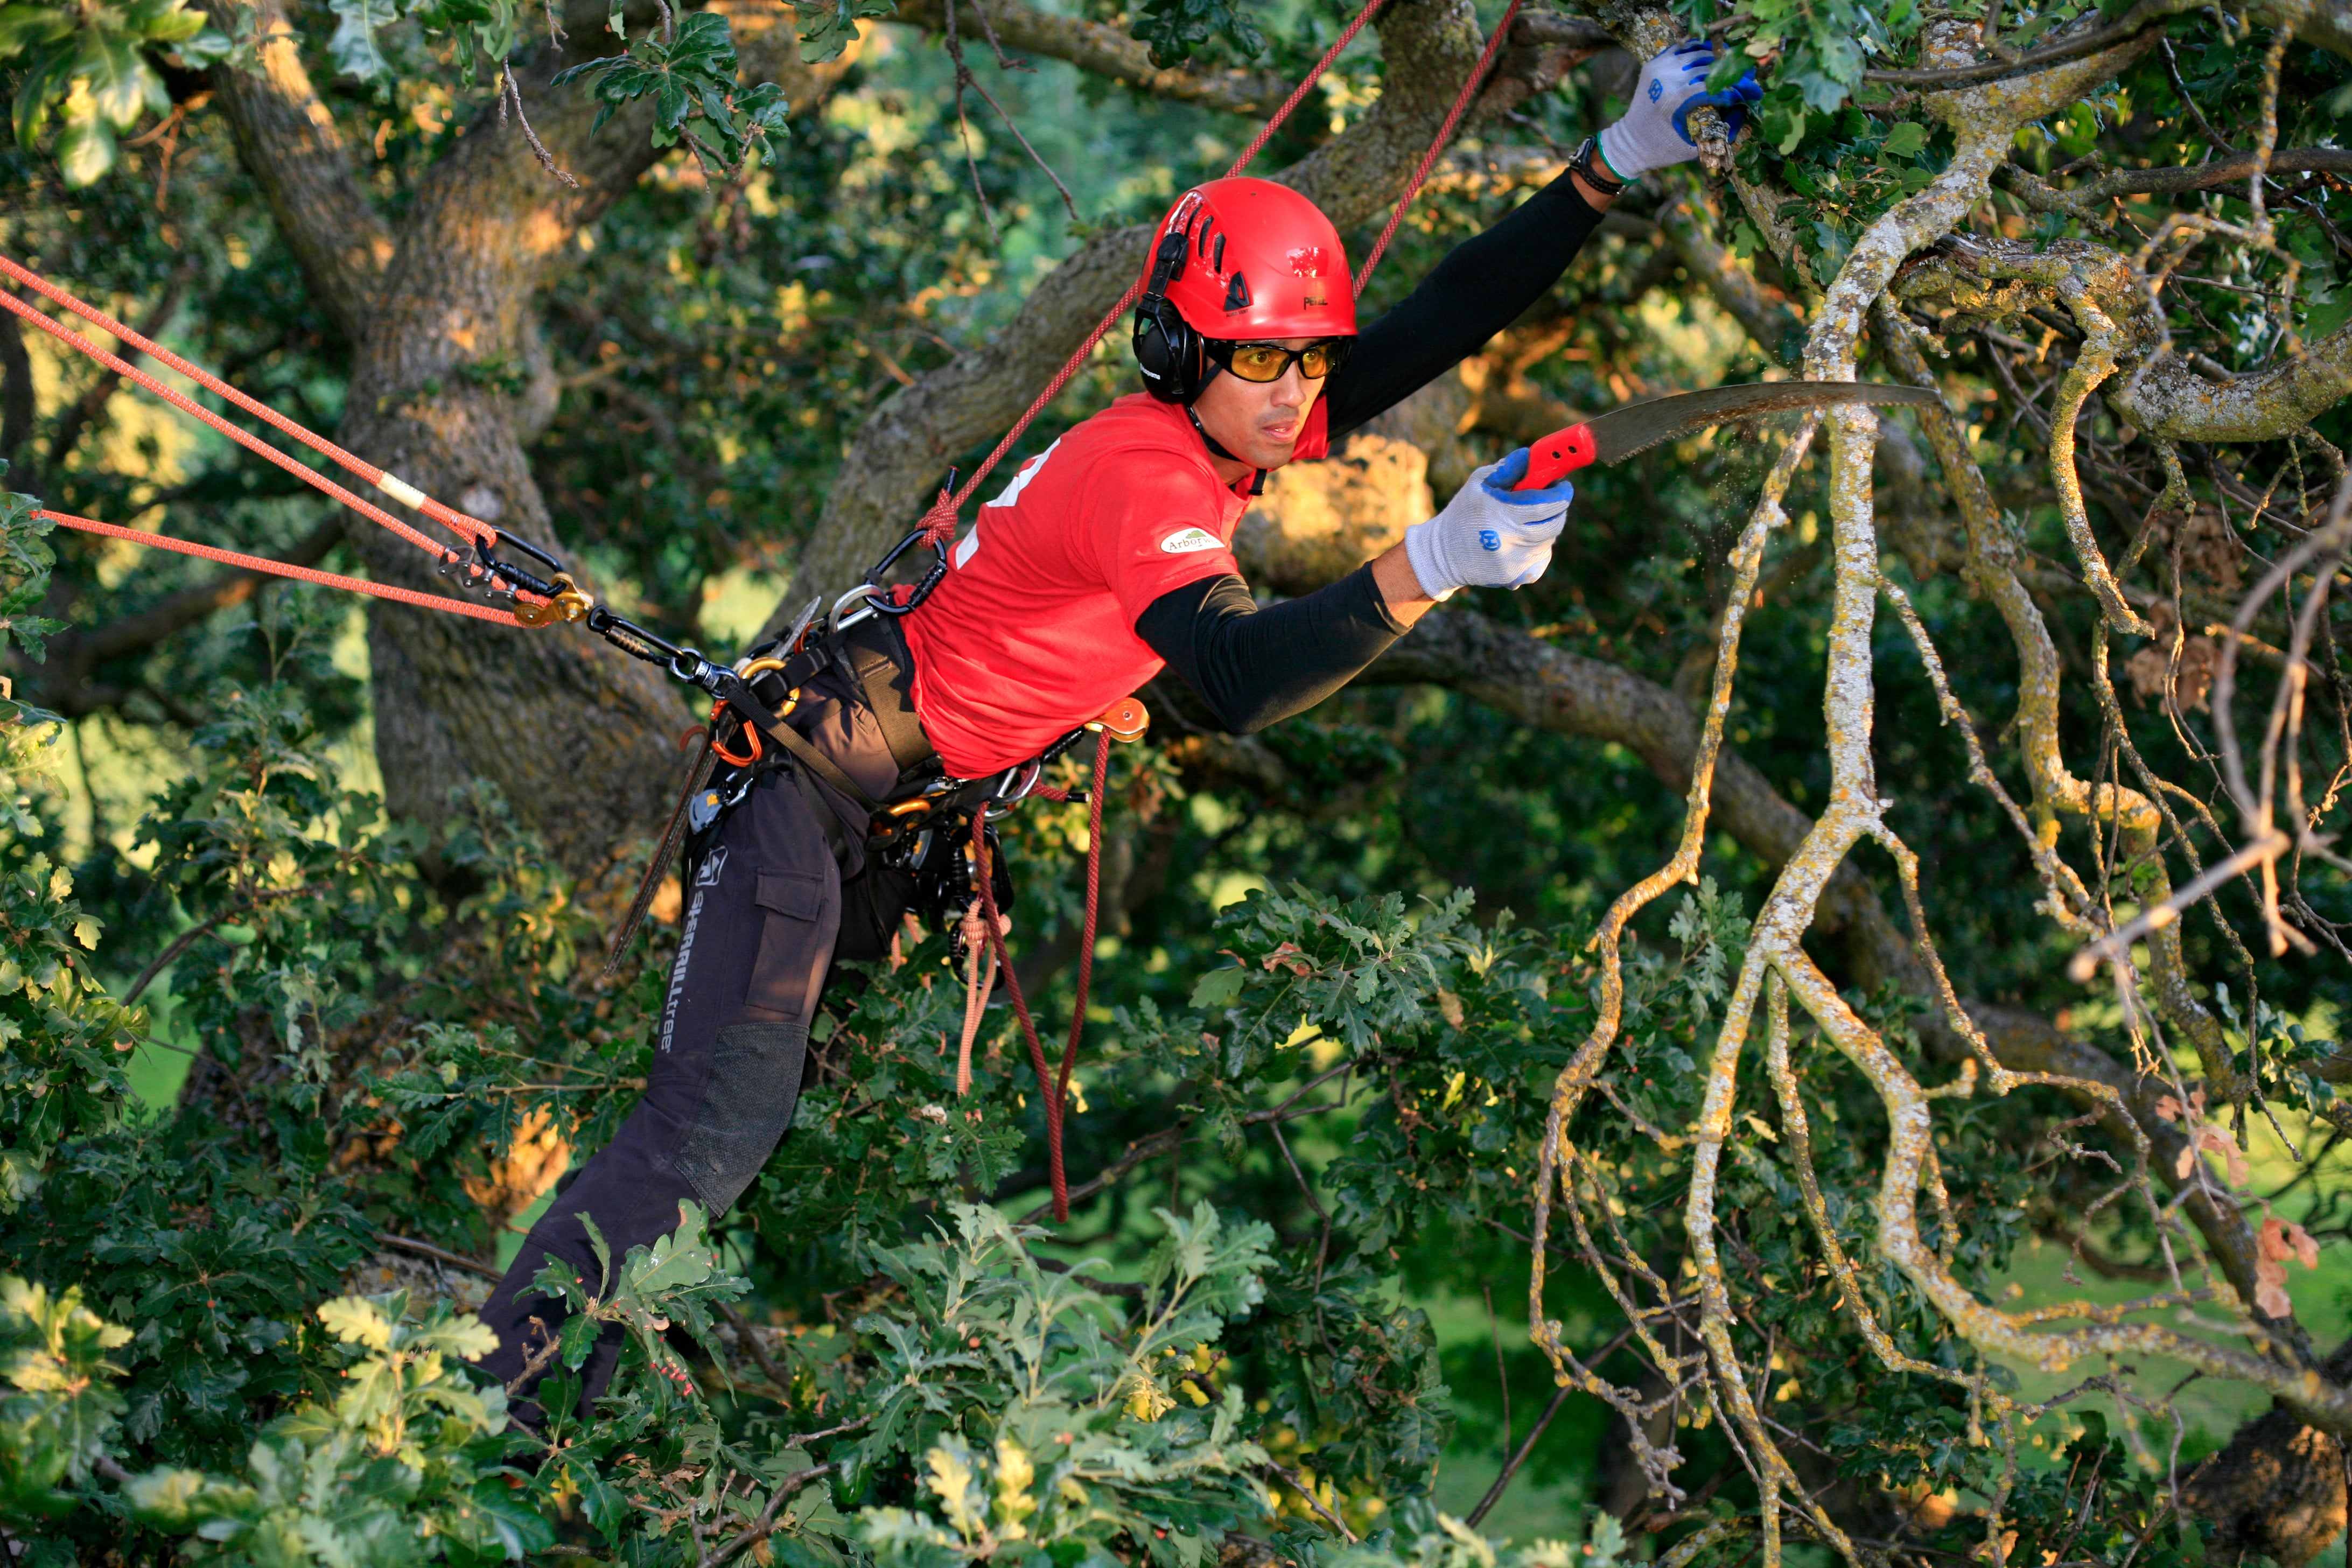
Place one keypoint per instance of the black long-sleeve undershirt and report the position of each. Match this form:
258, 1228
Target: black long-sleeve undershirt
1253, 666
1483, 286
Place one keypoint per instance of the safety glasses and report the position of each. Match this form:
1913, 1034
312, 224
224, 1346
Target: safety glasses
1271, 362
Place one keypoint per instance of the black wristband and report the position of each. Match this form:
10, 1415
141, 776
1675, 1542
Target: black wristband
1579, 164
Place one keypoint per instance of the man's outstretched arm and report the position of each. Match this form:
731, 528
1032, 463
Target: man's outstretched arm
1486, 283
1254, 665
1483, 286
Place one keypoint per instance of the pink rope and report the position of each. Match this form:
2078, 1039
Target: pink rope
1444, 135
284, 569
940, 520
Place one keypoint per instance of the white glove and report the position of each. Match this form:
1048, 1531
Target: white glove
1489, 535
1655, 133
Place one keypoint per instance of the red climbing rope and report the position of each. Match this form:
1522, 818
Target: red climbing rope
984, 876
284, 569
1058, 1095
940, 520
1086, 940
1444, 134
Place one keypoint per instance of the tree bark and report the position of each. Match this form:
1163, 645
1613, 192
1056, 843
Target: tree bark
293, 149
450, 381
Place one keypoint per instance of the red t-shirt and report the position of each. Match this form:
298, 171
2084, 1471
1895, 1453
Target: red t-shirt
1032, 632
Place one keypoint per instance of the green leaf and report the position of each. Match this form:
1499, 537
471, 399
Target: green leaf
121, 83
1218, 988
1906, 140
2322, 320
354, 47
85, 150
355, 1319
24, 26
577, 1338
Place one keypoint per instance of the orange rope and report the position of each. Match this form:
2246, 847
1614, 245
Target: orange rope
285, 569
471, 530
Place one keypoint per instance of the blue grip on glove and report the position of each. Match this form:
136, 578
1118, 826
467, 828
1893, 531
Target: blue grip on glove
1489, 535
1655, 132
1510, 471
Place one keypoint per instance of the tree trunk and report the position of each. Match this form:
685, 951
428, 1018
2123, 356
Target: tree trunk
450, 382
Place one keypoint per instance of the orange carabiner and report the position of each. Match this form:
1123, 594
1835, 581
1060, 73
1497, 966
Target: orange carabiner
721, 753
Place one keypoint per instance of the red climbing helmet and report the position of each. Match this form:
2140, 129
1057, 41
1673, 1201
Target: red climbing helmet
1262, 262
1237, 259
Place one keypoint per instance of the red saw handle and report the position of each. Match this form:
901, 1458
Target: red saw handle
1557, 456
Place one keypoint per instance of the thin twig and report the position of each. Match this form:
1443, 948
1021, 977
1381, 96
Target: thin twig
188, 938
510, 94
539, 1359
750, 1343
439, 1255
1297, 1483
765, 1525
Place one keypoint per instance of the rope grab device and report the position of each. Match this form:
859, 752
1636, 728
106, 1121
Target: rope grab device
545, 593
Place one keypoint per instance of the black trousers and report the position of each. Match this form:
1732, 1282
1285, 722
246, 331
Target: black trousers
766, 890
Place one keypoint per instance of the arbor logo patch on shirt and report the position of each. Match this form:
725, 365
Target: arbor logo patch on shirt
1185, 540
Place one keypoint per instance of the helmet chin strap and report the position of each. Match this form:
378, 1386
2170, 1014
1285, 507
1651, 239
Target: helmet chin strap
1217, 448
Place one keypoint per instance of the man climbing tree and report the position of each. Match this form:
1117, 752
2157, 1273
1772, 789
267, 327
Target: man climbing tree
1108, 557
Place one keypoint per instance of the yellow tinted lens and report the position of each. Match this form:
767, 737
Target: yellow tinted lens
1259, 362
1314, 363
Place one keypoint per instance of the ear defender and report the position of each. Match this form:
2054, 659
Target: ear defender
1167, 349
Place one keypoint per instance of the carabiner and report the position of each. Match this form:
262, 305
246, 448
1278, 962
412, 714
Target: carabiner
746, 726
835, 620
1018, 782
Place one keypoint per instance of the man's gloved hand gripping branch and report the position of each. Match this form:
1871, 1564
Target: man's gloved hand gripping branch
1655, 133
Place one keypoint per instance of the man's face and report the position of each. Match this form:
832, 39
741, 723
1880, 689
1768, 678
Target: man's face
1259, 422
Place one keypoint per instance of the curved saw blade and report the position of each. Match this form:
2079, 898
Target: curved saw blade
1637, 427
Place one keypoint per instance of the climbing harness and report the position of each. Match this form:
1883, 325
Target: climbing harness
959, 878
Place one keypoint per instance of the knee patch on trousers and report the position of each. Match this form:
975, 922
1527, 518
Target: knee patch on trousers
754, 1084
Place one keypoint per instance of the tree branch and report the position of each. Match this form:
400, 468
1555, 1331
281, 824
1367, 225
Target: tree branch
1552, 688
2230, 171
1107, 51
290, 144
2144, 16
2172, 400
